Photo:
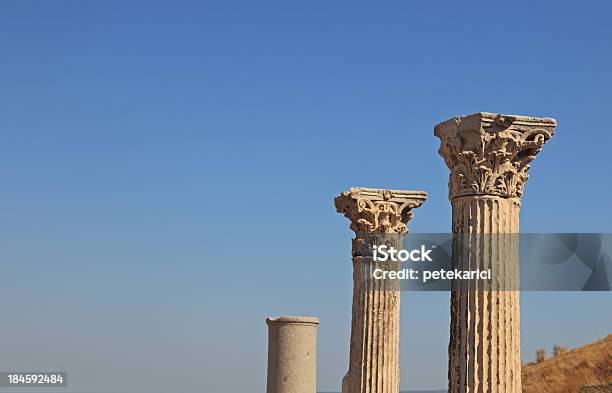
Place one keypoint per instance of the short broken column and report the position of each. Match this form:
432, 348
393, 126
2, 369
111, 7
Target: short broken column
488, 156
292, 354
378, 217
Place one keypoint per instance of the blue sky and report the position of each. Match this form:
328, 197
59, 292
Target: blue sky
168, 169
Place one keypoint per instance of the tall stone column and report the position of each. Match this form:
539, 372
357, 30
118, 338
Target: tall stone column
292, 354
488, 156
378, 217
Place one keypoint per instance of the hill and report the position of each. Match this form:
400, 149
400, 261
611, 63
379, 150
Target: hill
569, 371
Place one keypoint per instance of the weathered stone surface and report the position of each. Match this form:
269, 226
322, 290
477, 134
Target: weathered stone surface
376, 210
488, 156
292, 354
484, 349
376, 216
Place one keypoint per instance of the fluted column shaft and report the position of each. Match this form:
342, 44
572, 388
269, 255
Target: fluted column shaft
378, 217
489, 157
484, 348
374, 348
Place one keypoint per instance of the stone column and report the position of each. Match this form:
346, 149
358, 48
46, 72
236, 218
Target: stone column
292, 354
377, 217
488, 156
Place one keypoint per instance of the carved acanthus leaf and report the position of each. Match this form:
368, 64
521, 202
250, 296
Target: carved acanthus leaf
375, 210
490, 154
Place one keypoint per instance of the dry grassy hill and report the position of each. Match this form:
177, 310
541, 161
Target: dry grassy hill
570, 370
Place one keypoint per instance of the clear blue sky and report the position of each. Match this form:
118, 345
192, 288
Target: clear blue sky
167, 171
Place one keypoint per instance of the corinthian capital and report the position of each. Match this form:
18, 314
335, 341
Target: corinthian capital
379, 211
489, 154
